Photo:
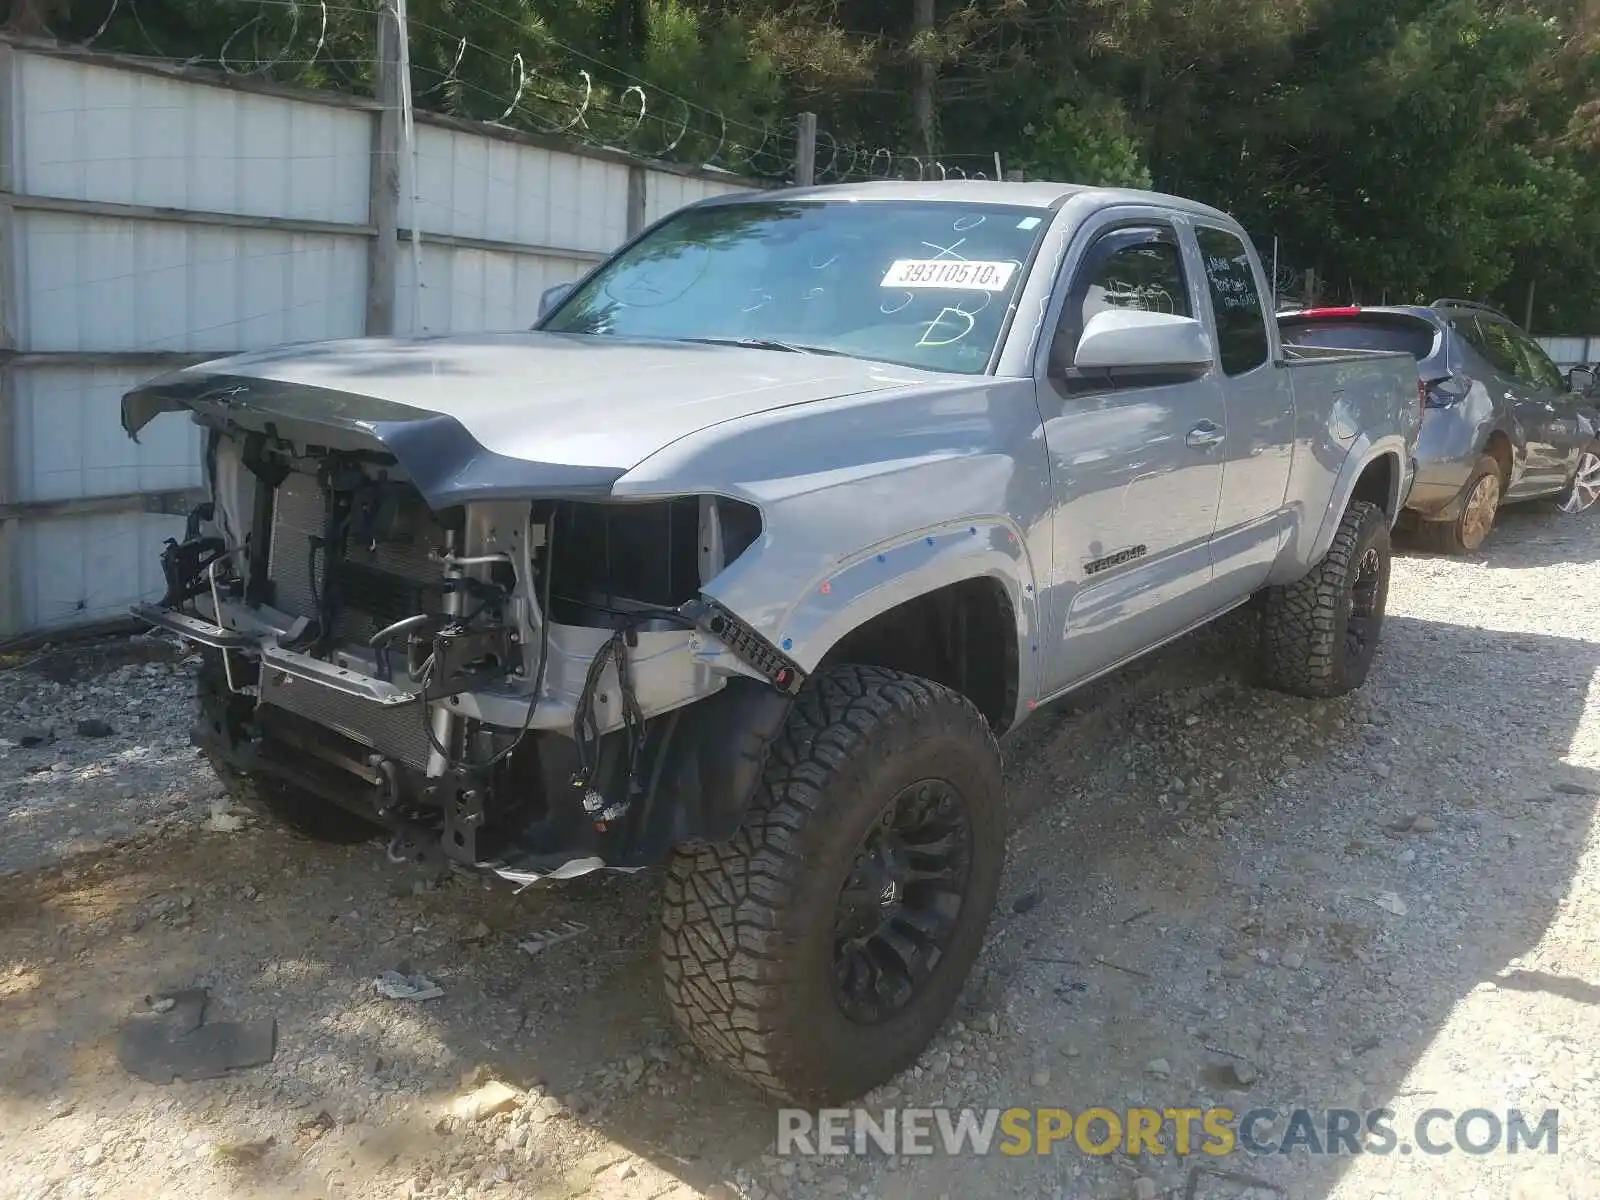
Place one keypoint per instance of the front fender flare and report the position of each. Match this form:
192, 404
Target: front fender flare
881, 577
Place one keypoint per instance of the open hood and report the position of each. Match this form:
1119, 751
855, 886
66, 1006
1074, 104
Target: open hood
502, 415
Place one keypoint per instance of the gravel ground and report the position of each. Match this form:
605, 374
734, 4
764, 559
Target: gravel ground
1216, 896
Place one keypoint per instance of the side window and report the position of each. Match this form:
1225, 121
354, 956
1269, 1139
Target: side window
1467, 329
1241, 325
1126, 268
1495, 342
1540, 369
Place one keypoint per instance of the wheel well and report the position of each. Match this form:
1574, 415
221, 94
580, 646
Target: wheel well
963, 636
1499, 449
1376, 484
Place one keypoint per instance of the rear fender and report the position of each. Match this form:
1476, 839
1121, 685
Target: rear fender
1363, 452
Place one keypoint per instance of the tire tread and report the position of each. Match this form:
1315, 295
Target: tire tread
728, 909
1302, 627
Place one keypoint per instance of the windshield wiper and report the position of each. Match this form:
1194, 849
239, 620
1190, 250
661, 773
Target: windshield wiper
768, 344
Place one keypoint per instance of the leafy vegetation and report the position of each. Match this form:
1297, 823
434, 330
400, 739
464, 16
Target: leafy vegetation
1400, 149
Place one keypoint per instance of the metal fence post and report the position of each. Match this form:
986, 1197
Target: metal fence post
383, 210
637, 179
10, 559
805, 150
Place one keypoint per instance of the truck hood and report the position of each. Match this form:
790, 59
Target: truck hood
501, 415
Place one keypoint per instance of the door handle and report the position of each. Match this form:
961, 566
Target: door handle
1205, 435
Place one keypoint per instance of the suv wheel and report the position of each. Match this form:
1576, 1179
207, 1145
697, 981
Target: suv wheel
1472, 524
1318, 636
817, 953
1584, 487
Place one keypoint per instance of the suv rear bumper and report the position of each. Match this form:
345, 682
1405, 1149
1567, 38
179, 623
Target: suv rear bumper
1439, 489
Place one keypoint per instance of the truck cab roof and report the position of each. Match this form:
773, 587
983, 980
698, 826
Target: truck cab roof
1040, 194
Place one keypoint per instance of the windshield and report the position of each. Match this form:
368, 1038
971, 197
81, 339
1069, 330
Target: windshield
922, 283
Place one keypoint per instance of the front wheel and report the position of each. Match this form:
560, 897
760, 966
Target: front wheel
817, 953
1318, 635
1583, 489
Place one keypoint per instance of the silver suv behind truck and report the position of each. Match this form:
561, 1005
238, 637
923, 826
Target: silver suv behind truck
1502, 423
742, 560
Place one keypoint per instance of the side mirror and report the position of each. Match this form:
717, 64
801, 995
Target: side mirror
1130, 339
551, 297
1580, 379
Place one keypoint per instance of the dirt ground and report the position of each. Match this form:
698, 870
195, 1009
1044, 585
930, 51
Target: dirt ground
1216, 896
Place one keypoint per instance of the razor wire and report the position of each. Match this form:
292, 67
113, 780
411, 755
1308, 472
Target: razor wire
545, 87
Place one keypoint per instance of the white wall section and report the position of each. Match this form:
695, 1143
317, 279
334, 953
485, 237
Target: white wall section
153, 215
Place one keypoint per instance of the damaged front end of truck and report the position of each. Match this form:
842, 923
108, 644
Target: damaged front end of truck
495, 660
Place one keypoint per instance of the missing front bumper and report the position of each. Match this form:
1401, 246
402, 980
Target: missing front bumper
352, 739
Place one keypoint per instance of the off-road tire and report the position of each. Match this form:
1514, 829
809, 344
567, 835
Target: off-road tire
1305, 625
747, 929
1466, 532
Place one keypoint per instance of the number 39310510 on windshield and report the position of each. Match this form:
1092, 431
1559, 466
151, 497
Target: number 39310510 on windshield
921, 283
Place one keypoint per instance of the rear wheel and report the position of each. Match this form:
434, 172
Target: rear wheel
1471, 526
1583, 489
817, 953
1319, 635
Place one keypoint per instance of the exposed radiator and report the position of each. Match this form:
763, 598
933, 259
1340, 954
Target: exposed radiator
299, 513
374, 591
394, 731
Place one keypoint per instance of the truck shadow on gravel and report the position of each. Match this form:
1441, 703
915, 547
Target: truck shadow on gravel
1171, 824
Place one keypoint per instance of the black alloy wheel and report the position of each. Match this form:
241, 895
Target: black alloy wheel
899, 907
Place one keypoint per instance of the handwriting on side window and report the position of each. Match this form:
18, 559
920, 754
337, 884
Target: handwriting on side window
1231, 283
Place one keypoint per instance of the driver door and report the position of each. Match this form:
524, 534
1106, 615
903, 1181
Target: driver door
1135, 469
1532, 410
1562, 434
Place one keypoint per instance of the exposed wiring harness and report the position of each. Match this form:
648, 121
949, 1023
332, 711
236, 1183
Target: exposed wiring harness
466, 764
586, 722
586, 725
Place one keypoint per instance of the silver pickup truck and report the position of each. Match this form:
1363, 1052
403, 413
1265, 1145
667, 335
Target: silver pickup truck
742, 559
